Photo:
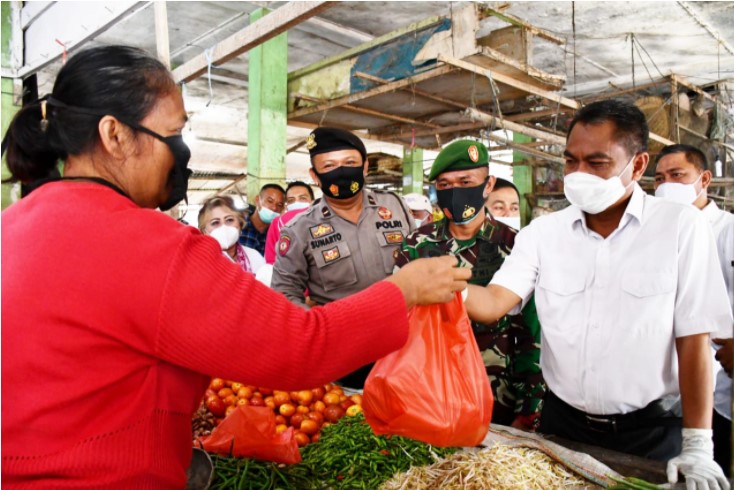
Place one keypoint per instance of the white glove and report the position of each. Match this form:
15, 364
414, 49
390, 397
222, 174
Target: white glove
696, 462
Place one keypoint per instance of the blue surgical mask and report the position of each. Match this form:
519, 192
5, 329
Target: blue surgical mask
267, 215
418, 222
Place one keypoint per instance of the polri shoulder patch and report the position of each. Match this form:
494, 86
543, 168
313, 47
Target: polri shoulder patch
284, 244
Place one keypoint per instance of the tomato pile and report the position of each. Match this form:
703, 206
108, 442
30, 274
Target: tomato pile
307, 411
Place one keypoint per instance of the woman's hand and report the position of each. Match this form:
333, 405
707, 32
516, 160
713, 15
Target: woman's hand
426, 281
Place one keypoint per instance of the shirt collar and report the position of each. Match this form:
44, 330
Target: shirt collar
711, 211
442, 228
325, 211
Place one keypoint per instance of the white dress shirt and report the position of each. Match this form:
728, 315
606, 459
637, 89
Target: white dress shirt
722, 223
610, 309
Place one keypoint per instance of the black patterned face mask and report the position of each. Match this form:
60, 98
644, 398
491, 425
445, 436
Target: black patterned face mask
463, 203
343, 182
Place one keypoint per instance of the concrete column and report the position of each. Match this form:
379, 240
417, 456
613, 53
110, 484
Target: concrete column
412, 170
522, 176
10, 36
267, 112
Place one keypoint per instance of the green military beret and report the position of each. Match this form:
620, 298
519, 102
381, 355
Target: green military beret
460, 155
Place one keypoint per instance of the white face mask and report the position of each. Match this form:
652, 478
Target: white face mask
594, 194
225, 235
298, 205
682, 193
511, 221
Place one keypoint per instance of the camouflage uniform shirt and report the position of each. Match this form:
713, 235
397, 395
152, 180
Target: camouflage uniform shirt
511, 346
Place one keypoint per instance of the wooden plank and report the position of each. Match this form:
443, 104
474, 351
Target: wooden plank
486, 11
530, 116
685, 83
525, 149
420, 134
553, 81
390, 87
422, 93
660, 139
268, 27
390, 117
507, 80
490, 120
414, 27
161, 33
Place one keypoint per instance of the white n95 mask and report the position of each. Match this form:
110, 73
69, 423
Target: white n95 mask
682, 193
594, 194
226, 235
511, 221
298, 205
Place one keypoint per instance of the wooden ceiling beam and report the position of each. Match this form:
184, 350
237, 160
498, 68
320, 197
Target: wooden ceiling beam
269, 26
365, 94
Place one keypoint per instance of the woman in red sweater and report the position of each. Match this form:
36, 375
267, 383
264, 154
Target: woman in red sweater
112, 319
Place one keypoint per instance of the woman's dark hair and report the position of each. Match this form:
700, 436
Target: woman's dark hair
121, 81
631, 128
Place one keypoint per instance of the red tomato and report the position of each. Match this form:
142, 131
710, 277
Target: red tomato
296, 420
309, 427
215, 405
216, 384
305, 397
287, 409
301, 438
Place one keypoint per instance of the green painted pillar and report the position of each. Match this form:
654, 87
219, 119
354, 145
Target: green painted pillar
412, 170
267, 109
9, 108
522, 175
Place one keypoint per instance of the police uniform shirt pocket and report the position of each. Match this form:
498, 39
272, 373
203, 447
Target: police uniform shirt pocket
390, 241
641, 284
335, 266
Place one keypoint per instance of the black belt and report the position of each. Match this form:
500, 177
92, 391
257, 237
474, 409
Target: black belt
654, 414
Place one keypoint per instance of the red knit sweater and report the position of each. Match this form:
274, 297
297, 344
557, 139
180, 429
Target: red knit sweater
114, 316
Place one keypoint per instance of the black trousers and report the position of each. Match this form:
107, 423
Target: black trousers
722, 442
648, 433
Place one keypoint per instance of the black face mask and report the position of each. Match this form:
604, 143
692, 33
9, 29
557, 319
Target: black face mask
180, 173
464, 203
343, 182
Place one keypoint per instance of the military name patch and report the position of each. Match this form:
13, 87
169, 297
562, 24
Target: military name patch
331, 255
284, 244
321, 230
384, 213
321, 242
393, 236
473, 153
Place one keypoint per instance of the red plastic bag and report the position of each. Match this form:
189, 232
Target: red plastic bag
249, 432
435, 389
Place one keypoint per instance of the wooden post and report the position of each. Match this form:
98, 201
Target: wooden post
412, 170
522, 176
266, 112
161, 33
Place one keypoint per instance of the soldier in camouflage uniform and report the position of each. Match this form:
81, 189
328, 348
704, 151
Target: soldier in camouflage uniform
510, 347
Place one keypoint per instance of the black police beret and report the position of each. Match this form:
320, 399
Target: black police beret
324, 140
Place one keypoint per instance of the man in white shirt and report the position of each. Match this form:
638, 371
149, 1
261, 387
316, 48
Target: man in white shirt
627, 288
682, 175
